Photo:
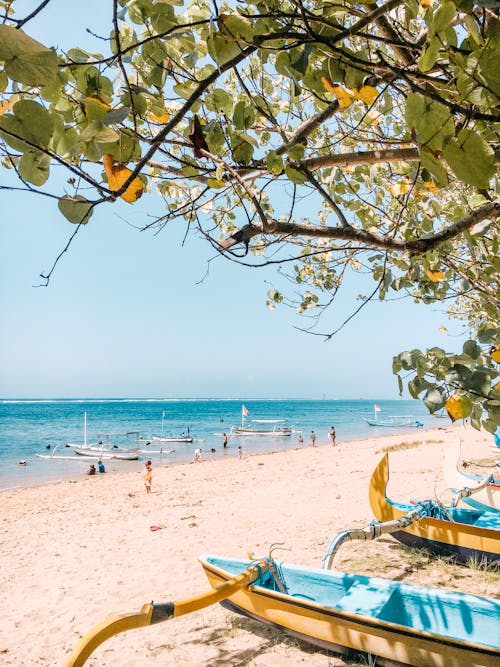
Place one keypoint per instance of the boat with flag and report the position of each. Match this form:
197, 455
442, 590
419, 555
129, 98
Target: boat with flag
391, 420
266, 427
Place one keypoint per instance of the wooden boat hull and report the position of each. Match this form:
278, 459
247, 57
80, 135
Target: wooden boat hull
124, 455
395, 422
345, 613
487, 498
159, 440
473, 534
280, 432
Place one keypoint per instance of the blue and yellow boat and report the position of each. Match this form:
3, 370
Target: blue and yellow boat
450, 531
400, 623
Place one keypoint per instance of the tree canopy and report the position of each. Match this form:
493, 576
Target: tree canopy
325, 137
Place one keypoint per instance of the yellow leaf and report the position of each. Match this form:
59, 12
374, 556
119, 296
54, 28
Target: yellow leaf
8, 104
435, 276
355, 264
431, 186
117, 175
328, 85
495, 353
426, 3
345, 96
458, 407
402, 188
159, 119
366, 94
97, 100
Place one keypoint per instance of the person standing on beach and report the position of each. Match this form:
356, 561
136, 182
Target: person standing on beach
240, 452
148, 476
224, 439
331, 433
313, 438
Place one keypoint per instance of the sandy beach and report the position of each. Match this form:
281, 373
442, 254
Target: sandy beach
74, 553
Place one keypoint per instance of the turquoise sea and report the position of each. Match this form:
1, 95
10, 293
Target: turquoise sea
31, 426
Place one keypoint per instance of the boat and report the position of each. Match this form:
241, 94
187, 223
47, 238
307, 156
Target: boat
446, 530
91, 453
480, 491
102, 449
270, 427
103, 452
391, 420
273, 432
168, 438
399, 623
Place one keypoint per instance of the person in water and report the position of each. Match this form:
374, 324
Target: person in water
91, 470
100, 466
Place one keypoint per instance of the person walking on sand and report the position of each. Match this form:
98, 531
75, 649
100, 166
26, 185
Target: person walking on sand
331, 433
240, 452
148, 476
313, 438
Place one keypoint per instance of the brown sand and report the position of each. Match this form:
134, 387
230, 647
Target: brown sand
73, 553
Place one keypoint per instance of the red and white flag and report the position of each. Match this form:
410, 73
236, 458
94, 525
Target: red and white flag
244, 411
377, 408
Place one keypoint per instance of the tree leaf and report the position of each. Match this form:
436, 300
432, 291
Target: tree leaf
458, 407
117, 175
26, 60
470, 158
34, 167
77, 209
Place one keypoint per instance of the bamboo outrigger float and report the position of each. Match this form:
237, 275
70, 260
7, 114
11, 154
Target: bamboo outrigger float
450, 531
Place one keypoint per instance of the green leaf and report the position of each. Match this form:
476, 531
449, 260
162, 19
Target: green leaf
77, 209
34, 167
26, 60
443, 17
274, 163
295, 175
435, 398
431, 120
116, 116
98, 132
222, 48
243, 115
429, 55
435, 167
470, 158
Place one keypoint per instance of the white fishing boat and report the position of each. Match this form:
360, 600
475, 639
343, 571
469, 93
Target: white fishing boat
103, 448
391, 420
269, 427
185, 438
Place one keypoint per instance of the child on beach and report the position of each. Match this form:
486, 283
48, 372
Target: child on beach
148, 476
240, 452
331, 433
313, 438
197, 455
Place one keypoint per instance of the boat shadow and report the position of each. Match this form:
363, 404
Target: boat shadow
220, 639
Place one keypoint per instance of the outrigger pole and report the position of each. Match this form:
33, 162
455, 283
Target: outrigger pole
157, 613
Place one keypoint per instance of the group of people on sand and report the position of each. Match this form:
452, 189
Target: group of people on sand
92, 469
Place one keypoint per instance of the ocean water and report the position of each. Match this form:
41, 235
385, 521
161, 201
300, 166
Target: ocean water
31, 426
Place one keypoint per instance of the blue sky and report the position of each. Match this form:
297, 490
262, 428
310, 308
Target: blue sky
125, 313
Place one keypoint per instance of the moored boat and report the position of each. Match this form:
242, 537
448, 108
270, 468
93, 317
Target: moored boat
450, 531
401, 624
270, 427
487, 497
